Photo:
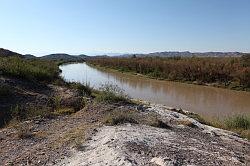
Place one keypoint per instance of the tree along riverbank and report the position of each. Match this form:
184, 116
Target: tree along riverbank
226, 72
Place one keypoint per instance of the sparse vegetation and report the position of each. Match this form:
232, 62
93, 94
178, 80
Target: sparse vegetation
65, 111
5, 91
21, 113
228, 72
24, 131
111, 93
120, 117
56, 103
187, 123
84, 89
238, 122
198, 118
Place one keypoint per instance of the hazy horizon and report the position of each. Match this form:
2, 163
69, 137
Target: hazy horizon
96, 27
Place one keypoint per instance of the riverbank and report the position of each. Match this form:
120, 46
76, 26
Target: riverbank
179, 140
216, 85
121, 134
230, 73
140, 133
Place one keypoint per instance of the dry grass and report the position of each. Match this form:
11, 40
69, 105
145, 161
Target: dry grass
186, 123
64, 111
24, 131
74, 137
120, 117
131, 116
110, 93
237, 123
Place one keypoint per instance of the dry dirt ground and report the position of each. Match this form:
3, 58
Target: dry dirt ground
83, 139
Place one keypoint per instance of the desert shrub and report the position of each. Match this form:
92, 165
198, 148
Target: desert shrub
120, 117
56, 100
111, 93
5, 91
35, 70
83, 89
79, 103
131, 116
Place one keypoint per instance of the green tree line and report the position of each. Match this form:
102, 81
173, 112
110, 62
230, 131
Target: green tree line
233, 72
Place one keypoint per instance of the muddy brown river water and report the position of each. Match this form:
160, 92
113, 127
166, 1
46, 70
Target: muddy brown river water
207, 101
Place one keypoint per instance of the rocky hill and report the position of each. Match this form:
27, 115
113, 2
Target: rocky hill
64, 57
7, 53
29, 56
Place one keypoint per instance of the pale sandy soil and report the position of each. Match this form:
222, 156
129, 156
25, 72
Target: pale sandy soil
129, 145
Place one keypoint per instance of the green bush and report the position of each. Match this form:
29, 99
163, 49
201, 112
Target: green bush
117, 117
111, 93
35, 70
120, 117
84, 89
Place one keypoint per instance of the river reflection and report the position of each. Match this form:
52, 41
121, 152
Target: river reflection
208, 101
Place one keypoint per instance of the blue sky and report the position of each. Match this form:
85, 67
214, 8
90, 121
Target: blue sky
104, 26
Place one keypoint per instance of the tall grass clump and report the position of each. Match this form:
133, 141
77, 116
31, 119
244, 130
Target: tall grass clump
238, 122
35, 70
83, 89
111, 93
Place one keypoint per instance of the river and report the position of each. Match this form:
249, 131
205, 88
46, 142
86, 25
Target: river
208, 101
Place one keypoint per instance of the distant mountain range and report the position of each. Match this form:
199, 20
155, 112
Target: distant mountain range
82, 57
186, 54
59, 56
